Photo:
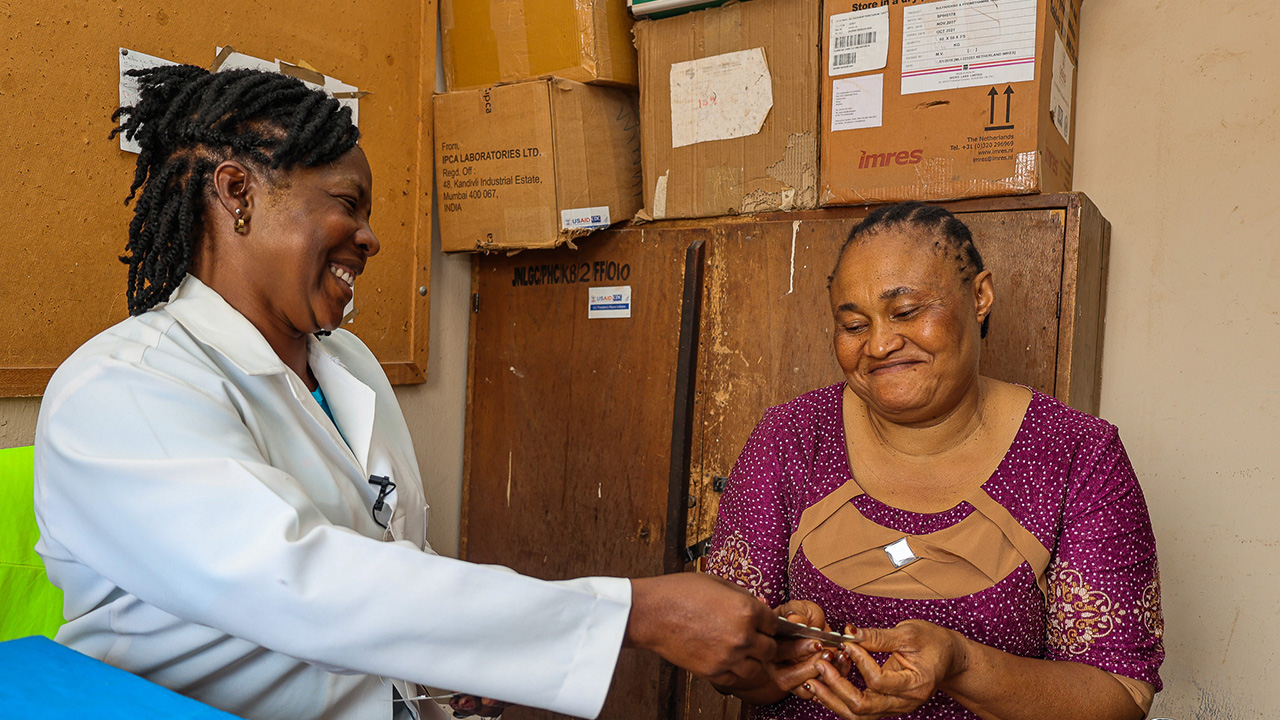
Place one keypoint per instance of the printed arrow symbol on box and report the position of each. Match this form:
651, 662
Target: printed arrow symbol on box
1008, 102
993, 94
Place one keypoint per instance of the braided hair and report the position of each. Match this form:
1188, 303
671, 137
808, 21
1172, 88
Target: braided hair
947, 228
187, 121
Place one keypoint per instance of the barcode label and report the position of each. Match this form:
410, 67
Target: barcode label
844, 60
859, 41
852, 41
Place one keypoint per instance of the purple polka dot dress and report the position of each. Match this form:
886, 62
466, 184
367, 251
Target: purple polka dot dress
1066, 479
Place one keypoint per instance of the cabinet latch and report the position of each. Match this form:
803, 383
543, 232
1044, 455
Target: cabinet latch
695, 551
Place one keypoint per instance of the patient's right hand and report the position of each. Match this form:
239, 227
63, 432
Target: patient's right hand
703, 624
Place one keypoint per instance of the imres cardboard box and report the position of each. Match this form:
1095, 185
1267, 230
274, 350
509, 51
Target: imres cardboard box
534, 164
485, 42
945, 99
729, 109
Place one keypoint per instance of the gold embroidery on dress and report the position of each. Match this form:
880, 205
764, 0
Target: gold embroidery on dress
1150, 611
1078, 614
732, 561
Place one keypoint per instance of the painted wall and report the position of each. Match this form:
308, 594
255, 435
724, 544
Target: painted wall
1178, 144
436, 409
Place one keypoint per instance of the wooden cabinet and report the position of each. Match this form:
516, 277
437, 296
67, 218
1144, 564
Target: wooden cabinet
593, 445
569, 423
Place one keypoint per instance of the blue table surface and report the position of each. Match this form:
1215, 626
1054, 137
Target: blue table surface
41, 679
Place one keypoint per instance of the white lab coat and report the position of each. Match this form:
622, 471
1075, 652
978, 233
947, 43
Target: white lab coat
211, 531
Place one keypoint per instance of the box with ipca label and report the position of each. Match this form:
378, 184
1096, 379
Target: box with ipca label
535, 164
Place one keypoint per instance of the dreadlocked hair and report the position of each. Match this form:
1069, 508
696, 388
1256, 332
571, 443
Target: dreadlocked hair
187, 121
946, 228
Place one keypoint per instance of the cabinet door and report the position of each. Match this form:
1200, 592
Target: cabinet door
570, 426
767, 336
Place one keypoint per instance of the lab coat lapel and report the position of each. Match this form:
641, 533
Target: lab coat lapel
353, 403
208, 317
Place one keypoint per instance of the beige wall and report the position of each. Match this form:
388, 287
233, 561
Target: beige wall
17, 421
1178, 141
436, 409
1178, 132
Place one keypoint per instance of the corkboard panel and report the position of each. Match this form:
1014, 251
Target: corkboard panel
66, 223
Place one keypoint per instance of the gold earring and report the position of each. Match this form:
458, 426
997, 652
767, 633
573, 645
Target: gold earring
240, 227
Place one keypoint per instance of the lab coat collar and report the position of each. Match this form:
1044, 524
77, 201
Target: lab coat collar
212, 321
353, 403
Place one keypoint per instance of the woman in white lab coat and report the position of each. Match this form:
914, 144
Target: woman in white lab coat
225, 486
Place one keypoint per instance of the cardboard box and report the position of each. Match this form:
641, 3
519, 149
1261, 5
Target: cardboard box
486, 42
534, 165
729, 109
667, 8
946, 99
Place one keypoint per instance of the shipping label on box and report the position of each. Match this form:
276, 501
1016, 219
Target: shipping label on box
972, 98
729, 109
534, 165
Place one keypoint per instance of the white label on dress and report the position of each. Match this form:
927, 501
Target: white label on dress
900, 553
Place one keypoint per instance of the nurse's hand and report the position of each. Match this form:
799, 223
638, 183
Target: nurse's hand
922, 656
706, 625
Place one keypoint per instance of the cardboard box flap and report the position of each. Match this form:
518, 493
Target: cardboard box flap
597, 154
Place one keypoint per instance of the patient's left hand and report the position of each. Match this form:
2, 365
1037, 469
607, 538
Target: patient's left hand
922, 656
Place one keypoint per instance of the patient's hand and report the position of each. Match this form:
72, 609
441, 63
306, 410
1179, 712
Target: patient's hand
464, 705
794, 664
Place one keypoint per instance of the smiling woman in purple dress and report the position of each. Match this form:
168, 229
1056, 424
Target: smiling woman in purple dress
988, 548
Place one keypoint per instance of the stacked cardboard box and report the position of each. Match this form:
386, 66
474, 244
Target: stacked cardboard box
945, 99
486, 42
666, 8
526, 155
922, 100
535, 164
729, 109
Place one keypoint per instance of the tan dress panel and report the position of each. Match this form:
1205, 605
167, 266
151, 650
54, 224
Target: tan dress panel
966, 558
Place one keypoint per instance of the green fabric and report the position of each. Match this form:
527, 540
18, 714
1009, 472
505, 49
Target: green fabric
29, 603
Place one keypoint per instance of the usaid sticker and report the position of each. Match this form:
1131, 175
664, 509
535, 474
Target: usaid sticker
609, 302
592, 218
